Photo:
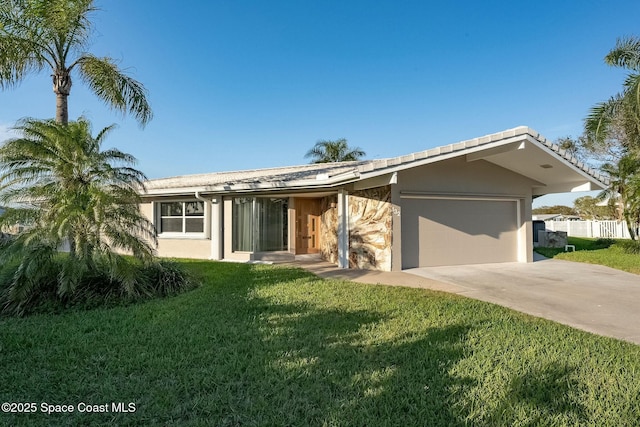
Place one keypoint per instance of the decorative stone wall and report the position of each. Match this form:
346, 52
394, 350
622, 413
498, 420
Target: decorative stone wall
370, 229
329, 229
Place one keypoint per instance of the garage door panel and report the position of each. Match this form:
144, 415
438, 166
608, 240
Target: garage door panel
454, 232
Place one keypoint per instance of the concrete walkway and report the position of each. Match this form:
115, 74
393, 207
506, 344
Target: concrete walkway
593, 298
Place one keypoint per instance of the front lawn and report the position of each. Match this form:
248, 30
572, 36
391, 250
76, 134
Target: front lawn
265, 345
597, 251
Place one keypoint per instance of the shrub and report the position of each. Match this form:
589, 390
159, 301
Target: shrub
603, 243
99, 286
167, 278
629, 246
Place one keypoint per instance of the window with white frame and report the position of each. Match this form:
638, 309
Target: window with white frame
181, 217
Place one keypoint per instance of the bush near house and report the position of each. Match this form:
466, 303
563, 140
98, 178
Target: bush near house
68, 191
96, 287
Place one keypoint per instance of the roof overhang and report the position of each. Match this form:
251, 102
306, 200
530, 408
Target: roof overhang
321, 182
547, 165
521, 150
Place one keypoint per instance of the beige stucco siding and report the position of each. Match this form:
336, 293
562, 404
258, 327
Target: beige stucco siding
184, 248
199, 248
147, 210
460, 176
458, 212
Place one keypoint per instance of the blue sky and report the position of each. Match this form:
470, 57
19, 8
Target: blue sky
254, 84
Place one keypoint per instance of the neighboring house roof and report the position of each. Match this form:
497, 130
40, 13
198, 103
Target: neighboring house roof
521, 150
544, 217
556, 217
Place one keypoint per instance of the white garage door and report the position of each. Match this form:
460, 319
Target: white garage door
441, 231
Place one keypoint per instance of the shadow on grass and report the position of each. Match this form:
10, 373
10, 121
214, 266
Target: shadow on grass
325, 372
548, 394
283, 359
337, 367
265, 346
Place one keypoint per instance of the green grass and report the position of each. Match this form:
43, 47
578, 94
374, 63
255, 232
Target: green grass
597, 251
265, 345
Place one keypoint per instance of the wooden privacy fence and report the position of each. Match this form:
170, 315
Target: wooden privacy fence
602, 229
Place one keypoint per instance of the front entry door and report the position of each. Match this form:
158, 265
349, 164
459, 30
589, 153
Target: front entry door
307, 226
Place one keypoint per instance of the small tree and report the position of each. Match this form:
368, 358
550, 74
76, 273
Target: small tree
334, 151
592, 208
556, 209
613, 129
624, 189
67, 190
623, 109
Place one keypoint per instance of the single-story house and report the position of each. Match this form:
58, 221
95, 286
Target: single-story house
555, 217
463, 203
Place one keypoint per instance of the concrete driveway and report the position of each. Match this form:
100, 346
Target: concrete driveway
589, 297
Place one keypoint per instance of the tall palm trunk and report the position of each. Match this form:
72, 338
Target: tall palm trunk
62, 87
632, 225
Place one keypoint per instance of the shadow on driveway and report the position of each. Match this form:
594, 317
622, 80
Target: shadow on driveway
591, 297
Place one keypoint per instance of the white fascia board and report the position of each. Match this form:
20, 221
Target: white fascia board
291, 185
568, 187
308, 184
376, 181
179, 191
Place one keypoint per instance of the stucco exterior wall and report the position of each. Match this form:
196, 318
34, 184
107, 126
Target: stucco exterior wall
457, 175
184, 248
147, 210
199, 248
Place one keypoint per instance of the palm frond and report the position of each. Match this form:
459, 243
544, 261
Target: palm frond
23, 45
325, 151
82, 195
115, 88
597, 124
625, 54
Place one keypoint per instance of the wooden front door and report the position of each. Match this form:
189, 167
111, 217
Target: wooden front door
307, 226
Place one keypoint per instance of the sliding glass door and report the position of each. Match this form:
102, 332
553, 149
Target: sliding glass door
243, 224
260, 224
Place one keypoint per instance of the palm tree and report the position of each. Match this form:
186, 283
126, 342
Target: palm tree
38, 35
334, 151
66, 190
622, 109
624, 190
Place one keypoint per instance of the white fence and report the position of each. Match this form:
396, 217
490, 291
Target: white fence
604, 229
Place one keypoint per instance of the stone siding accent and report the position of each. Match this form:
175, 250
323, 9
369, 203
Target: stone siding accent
370, 229
329, 229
